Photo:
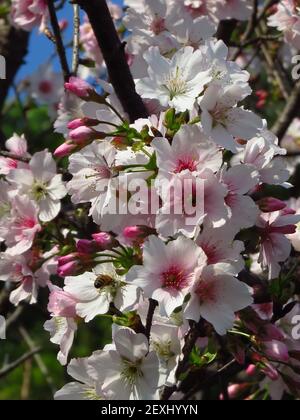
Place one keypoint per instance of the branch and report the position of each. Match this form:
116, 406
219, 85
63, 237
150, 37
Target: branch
12, 366
39, 361
290, 111
13, 156
252, 22
76, 39
225, 30
190, 341
114, 56
58, 40
266, 7
152, 306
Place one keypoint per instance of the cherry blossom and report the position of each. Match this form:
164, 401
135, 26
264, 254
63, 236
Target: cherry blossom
85, 386
41, 183
168, 272
95, 291
127, 369
176, 82
216, 296
29, 13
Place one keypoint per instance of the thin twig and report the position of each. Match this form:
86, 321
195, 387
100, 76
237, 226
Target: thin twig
291, 110
58, 40
12, 366
266, 7
39, 361
152, 306
76, 39
190, 341
113, 51
252, 22
14, 157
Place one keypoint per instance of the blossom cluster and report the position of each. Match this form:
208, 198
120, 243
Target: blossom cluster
155, 275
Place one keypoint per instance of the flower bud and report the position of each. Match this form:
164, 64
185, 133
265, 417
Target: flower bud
81, 134
79, 87
276, 350
104, 240
68, 269
270, 204
64, 149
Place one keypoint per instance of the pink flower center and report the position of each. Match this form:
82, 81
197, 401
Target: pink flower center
175, 278
45, 87
186, 163
27, 223
211, 252
11, 163
103, 172
206, 291
158, 25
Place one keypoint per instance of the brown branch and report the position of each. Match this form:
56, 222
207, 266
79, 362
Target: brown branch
12, 366
14, 157
190, 342
225, 30
266, 7
152, 306
58, 40
114, 56
252, 22
291, 110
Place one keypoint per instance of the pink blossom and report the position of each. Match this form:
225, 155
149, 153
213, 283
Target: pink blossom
17, 146
275, 246
27, 14
287, 20
24, 225
89, 42
79, 87
61, 303
216, 296
168, 273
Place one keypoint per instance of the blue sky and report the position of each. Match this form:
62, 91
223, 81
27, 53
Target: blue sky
41, 48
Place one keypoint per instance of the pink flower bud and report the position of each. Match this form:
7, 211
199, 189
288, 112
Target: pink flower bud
133, 233
104, 240
81, 134
276, 350
62, 304
251, 370
271, 332
235, 390
270, 204
68, 269
66, 258
136, 234
78, 122
79, 87
64, 150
